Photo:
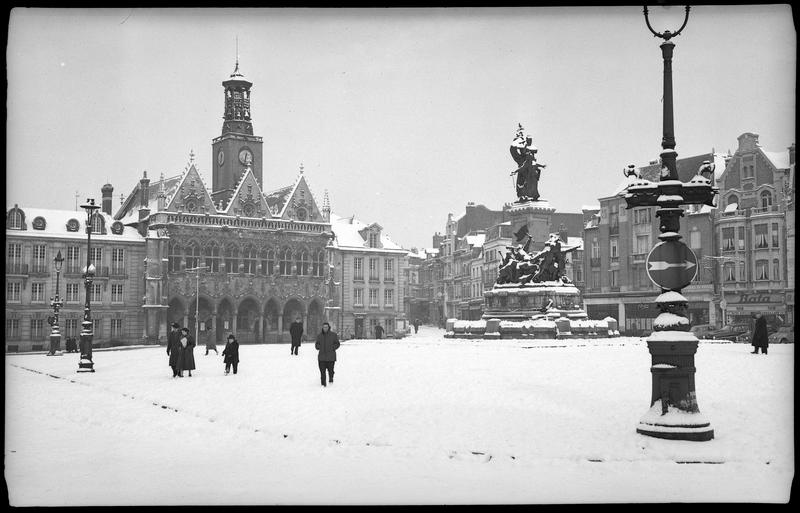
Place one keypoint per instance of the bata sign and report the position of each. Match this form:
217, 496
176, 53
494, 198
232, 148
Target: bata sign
755, 297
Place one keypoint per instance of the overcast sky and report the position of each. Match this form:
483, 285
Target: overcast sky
403, 115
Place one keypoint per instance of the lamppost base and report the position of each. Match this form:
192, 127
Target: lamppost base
692, 434
675, 424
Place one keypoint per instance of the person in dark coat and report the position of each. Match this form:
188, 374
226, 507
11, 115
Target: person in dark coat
211, 344
174, 347
231, 354
187, 353
327, 344
378, 331
416, 325
760, 335
296, 330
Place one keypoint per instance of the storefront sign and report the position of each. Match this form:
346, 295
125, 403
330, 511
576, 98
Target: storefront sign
754, 298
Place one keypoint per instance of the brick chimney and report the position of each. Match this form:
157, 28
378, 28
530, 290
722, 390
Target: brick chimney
791, 154
144, 185
107, 191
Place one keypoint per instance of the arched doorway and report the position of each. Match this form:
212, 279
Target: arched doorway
224, 319
247, 318
271, 315
291, 310
315, 319
205, 330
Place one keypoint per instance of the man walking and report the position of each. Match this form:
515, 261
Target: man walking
327, 344
296, 330
173, 351
760, 335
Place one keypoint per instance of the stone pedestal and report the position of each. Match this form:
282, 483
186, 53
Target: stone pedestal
515, 302
536, 215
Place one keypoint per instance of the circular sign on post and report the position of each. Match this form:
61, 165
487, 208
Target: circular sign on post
671, 265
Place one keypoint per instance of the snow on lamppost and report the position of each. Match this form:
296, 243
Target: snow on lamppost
56, 303
671, 265
87, 330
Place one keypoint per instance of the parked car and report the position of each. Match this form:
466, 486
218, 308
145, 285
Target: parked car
702, 331
784, 335
732, 333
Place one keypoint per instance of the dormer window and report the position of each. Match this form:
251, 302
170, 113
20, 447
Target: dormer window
766, 199
97, 223
16, 219
374, 239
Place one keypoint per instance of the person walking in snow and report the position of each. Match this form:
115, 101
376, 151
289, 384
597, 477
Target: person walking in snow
327, 344
416, 325
296, 330
211, 344
760, 335
231, 354
187, 353
174, 348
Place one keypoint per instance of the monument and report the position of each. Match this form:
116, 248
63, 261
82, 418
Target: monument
532, 296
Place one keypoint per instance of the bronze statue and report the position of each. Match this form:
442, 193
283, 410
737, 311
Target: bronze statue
548, 264
528, 170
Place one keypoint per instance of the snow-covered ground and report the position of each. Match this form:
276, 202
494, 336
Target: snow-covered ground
422, 420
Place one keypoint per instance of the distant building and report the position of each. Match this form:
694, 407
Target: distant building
368, 266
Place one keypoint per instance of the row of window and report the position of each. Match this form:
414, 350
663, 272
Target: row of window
72, 292
762, 271
248, 260
16, 221
388, 297
374, 266
762, 237
73, 263
766, 199
40, 329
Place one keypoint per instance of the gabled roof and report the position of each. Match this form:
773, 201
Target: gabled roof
247, 199
129, 211
289, 200
347, 235
779, 159
191, 189
277, 199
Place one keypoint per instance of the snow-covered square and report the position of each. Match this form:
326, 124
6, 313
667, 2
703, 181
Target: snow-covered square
421, 420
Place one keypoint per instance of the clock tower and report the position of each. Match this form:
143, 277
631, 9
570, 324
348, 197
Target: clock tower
237, 146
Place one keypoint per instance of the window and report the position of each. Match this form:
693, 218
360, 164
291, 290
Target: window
776, 270
641, 216
249, 258
595, 279
578, 274
97, 327
96, 292
358, 297
373, 269
612, 247
302, 263
775, 235
613, 219
285, 263
766, 199
73, 260
118, 261
116, 293
12, 291
595, 249
733, 200
39, 258
116, 328
358, 268
613, 278
15, 220
14, 256
388, 270
373, 240
37, 292
12, 329
727, 239
175, 257
96, 256
742, 271
642, 244
192, 253
747, 171
267, 262
762, 270
97, 223
761, 236
640, 278
373, 297
72, 292
388, 297
211, 254
694, 239
71, 327
740, 240
37, 329
231, 260
319, 264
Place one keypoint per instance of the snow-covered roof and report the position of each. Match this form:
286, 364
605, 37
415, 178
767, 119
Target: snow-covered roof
476, 240
779, 159
347, 234
575, 241
277, 199
56, 226
129, 211
590, 207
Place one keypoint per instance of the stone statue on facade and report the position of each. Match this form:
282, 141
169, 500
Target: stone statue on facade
528, 170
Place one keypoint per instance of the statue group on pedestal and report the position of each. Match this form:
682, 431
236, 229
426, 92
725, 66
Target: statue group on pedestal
528, 170
519, 266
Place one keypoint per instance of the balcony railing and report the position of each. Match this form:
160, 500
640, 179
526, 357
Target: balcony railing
734, 213
638, 258
594, 262
17, 268
764, 210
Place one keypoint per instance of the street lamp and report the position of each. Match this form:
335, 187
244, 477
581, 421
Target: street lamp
197, 270
87, 332
673, 412
56, 303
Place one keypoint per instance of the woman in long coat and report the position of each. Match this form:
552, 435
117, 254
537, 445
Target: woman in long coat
174, 348
327, 344
760, 335
187, 353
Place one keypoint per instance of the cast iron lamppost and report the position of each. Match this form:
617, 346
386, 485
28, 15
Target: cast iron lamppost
56, 303
671, 265
87, 332
197, 270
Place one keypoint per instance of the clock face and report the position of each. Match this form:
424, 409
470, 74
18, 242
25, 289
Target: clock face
245, 156
221, 157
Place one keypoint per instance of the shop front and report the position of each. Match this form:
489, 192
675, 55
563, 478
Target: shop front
741, 306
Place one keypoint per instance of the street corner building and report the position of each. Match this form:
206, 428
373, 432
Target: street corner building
230, 258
